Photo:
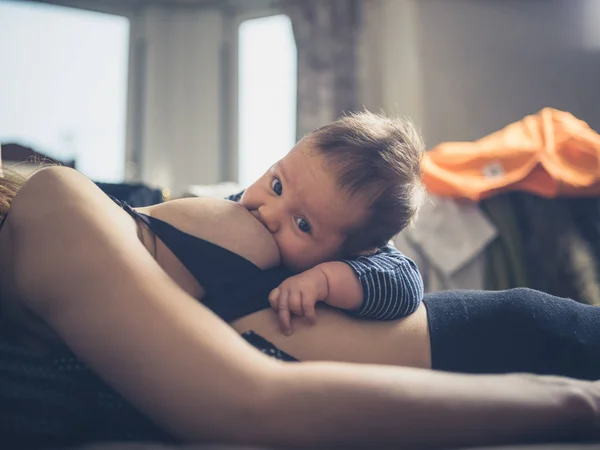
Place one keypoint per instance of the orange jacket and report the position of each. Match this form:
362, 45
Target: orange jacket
551, 153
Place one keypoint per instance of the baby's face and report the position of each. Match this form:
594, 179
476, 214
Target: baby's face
299, 202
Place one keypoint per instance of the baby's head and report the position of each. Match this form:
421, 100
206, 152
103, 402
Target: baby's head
345, 189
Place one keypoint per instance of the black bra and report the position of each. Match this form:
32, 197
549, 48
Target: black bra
235, 287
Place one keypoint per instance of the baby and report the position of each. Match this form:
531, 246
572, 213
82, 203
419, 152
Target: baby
332, 204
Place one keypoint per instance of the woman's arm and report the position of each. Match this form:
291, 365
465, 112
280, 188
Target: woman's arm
77, 262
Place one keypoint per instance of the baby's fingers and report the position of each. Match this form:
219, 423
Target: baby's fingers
283, 312
308, 308
274, 298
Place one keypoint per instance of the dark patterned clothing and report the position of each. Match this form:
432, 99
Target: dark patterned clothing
56, 400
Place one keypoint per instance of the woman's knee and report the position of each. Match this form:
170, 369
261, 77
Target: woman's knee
58, 223
41, 194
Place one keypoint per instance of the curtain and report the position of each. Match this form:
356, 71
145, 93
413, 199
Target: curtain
326, 34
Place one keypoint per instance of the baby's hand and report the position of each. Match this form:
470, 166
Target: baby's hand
298, 295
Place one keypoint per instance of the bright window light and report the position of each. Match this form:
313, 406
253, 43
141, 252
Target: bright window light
63, 90
267, 94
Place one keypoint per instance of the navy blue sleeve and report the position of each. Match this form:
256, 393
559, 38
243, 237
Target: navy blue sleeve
391, 282
235, 197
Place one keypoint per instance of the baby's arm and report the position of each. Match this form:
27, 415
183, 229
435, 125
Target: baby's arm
383, 286
391, 284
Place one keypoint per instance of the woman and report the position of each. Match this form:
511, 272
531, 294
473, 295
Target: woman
74, 260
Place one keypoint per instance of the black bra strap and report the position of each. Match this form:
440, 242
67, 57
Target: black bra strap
212, 265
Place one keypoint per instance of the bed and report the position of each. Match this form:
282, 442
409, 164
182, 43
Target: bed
20, 373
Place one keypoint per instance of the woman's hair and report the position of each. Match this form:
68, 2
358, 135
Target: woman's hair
10, 183
378, 157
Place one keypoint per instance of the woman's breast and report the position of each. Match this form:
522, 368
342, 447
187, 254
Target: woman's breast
166, 259
340, 337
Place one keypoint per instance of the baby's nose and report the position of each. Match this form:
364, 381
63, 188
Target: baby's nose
269, 218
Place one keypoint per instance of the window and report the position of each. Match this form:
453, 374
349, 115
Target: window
267, 94
64, 85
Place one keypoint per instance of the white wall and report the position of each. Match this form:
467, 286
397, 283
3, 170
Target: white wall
465, 68
181, 107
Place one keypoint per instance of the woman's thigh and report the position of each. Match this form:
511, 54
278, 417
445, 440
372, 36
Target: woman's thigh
519, 330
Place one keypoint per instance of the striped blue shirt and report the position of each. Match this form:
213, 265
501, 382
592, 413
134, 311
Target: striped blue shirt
391, 282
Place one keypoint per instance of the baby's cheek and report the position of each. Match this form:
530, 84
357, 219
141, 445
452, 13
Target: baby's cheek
294, 255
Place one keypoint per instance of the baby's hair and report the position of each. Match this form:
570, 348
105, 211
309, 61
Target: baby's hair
378, 157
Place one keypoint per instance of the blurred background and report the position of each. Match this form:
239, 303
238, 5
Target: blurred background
176, 93
180, 94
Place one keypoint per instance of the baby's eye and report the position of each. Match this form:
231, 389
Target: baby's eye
303, 224
276, 186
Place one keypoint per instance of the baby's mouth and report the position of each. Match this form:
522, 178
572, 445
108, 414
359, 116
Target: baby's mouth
256, 215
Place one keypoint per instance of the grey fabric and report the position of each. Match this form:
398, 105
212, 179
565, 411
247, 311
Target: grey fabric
447, 242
